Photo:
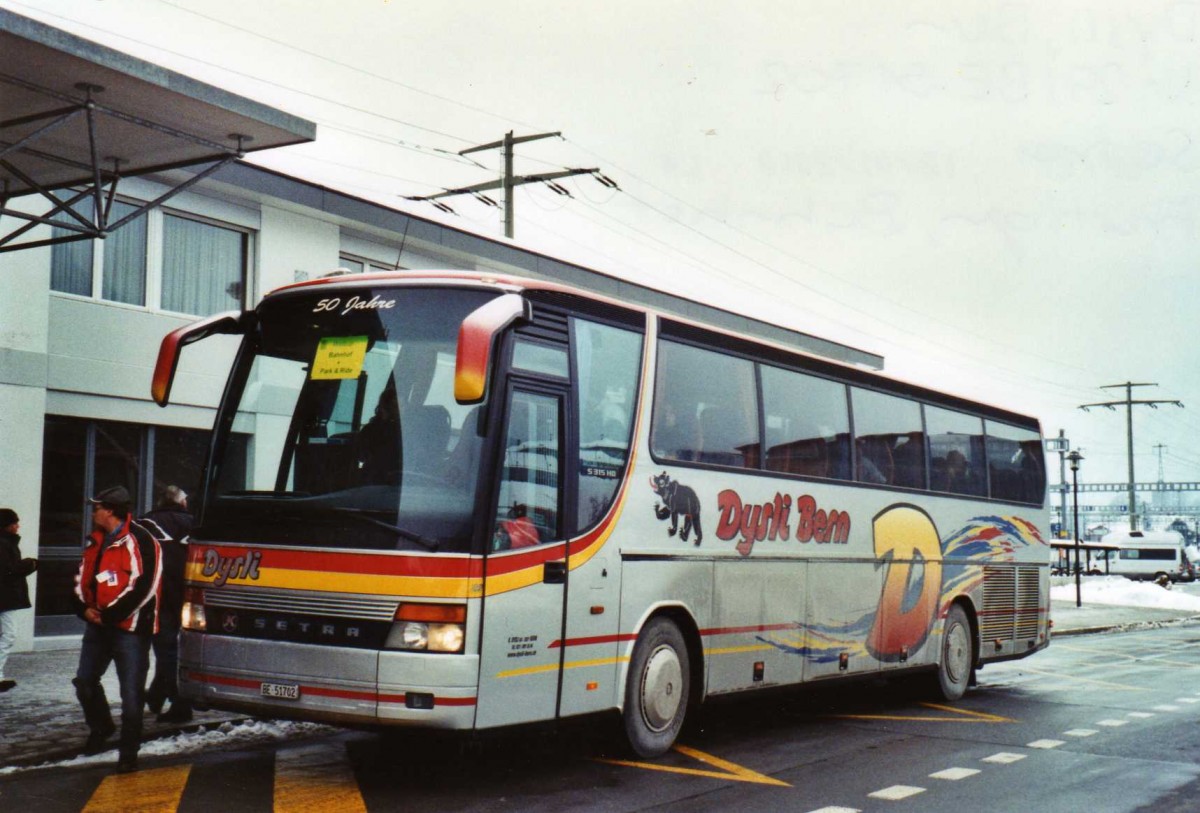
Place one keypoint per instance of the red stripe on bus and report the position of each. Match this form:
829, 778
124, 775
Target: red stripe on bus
598, 639
441, 566
321, 691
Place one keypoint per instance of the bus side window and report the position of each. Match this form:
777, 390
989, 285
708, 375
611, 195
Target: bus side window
608, 360
706, 407
956, 449
887, 434
527, 510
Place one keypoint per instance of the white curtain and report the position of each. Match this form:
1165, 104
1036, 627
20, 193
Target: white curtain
125, 259
71, 263
203, 267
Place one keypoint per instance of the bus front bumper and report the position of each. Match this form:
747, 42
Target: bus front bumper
338, 685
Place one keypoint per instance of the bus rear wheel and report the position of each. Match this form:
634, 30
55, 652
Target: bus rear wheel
958, 655
657, 689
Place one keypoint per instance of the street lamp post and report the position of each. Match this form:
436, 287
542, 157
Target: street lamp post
1074, 457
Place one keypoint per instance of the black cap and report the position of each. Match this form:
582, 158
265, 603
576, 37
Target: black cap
115, 498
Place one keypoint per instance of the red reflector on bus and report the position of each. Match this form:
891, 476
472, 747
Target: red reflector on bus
440, 613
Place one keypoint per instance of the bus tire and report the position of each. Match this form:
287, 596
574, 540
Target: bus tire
957, 655
657, 689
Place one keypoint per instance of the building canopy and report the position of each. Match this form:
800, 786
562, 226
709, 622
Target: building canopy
76, 117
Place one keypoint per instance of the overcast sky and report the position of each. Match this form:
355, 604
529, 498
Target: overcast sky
1002, 200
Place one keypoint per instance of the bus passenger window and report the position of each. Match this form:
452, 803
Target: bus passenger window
888, 449
1016, 468
808, 425
706, 407
956, 451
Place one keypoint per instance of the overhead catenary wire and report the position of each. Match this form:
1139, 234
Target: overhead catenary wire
246, 75
347, 66
1058, 386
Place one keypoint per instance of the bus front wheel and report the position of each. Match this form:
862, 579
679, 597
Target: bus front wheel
958, 655
656, 691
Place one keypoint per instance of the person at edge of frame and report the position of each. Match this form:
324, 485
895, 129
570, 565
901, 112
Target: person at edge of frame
14, 590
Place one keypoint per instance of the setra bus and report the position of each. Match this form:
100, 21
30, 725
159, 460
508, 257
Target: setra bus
462, 501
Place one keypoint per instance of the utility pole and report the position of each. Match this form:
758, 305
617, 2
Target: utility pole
509, 181
1160, 448
1129, 403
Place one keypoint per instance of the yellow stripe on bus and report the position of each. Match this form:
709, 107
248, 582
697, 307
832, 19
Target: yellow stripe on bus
729, 650
550, 667
412, 586
416, 586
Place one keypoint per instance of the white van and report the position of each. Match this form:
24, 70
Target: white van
1148, 555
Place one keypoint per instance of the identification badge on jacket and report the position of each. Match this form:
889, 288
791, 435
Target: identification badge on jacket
108, 577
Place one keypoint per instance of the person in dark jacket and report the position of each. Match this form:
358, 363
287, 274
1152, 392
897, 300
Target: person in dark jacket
170, 523
14, 592
117, 589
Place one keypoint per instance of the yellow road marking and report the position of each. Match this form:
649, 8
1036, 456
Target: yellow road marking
959, 716
316, 778
727, 770
149, 791
1109, 653
1093, 681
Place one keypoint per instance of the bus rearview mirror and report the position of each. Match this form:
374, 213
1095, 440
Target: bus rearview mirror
476, 341
174, 342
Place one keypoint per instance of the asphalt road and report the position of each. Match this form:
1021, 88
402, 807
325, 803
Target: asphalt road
1095, 723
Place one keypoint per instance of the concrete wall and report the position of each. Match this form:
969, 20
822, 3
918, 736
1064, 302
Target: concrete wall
24, 276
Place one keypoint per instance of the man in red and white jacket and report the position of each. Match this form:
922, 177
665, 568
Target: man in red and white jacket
117, 588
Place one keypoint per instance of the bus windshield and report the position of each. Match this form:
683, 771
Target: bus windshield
340, 427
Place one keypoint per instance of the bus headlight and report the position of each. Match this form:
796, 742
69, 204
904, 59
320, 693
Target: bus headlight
428, 628
193, 616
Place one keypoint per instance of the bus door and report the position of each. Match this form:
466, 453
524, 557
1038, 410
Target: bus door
525, 570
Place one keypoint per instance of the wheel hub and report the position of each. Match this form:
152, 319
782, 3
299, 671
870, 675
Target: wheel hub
662, 682
957, 648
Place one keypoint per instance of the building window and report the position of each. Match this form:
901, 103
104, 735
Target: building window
122, 268
204, 267
71, 265
80, 458
124, 271
359, 265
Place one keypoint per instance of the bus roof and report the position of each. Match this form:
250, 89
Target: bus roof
511, 283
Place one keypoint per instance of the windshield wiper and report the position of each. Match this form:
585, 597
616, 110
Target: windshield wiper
403, 533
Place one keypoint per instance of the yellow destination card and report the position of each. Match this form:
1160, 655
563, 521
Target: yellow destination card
339, 357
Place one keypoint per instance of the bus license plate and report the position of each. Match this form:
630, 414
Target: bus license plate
282, 691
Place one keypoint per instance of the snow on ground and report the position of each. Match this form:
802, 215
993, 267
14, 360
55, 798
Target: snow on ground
1123, 592
248, 733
